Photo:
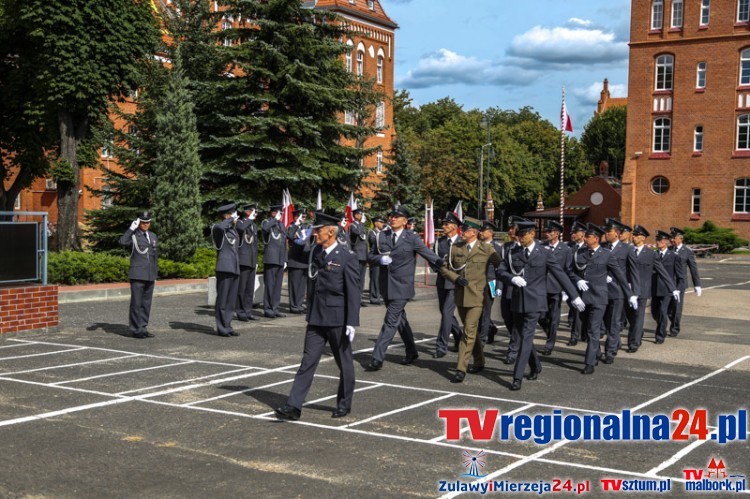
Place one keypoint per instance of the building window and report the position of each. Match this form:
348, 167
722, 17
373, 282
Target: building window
677, 13
742, 195
662, 132
380, 115
657, 14
349, 61
226, 25
698, 139
745, 67
17, 202
380, 70
700, 75
360, 62
743, 132
659, 185
106, 196
696, 201
349, 117
664, 72
705, 11
371, 4
743, 11
379, 162
107, 150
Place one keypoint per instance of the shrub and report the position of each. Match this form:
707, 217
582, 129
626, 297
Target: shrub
709, 233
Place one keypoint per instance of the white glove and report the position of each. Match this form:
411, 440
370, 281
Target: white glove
134, 225
698, 291
284, 265
583, 285
676, 295
278, 215
350, 333
633, 302
518, 281
498, 292
235, 216
252, 215
609, 279
565, 296
385, 260
299, 220
364, 218
578, 304
343, 223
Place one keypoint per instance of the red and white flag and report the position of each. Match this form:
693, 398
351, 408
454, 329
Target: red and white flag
287, 208
566, 124
459, 211
350, 207
429, 224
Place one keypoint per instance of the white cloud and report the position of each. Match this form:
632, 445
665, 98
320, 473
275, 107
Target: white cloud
446, 67
563, 46
590, 95
576, 21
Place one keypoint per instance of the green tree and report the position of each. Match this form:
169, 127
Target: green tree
603, 139
84, 54
400, 183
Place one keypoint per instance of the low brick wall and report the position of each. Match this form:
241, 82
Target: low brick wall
28, 308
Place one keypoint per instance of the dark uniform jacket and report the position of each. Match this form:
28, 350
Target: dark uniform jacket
358, 240
372, 238
594, 269
624, 254
248, 247
397, 279
143, 264
334, 296
227, 259
297, 257
473, 266
342, 237
686, 260
564, 256
442, 249
674, 270
274, 237
650, 269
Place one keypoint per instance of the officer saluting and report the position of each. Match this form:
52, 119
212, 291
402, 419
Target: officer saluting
274, 261
378, 223
297, 262
332, 316
142, 273
226, 241
248, 256
358, 242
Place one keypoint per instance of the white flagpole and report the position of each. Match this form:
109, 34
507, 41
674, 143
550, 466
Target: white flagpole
562, 158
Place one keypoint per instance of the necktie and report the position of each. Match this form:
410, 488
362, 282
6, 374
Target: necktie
527, 252
393, 239
661, 255
148, 238
591, 253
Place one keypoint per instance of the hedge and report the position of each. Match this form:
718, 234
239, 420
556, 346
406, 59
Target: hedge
709, 233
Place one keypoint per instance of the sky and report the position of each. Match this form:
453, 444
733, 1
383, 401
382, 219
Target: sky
512, 53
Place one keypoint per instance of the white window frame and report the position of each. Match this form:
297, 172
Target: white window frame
107, 150
379, 74
705, 12
107, 199
678, 13
380, 115
698, 138
700, 74
745, 67
349, 117
348, 55
743, 11
695, 201
360, 62
371, 4
657, 14
743, 132
745, 190
664, 72
379, 162
662, 132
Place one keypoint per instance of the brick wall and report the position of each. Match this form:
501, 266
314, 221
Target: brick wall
28, 308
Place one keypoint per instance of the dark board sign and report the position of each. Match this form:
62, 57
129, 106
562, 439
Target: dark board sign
18, 251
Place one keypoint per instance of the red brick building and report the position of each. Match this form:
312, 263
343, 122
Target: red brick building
688, 131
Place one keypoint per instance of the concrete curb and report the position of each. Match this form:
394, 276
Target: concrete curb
123, 292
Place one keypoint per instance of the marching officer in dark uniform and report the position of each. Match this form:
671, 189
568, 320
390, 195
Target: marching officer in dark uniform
378, 225
591, 266
650, 271
624, 255
577, 235
297, 234
358, 244
686, 260
226, 241
487, 329
446, 290
524, 272
143, 271
506, 309
555, 293
332, 316
396, 253
274, 261
662, 297
248, 255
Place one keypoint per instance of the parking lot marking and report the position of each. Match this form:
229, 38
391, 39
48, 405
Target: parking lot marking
190, 380
70, 365
238, 392
41, 354
677, 456
321, 399
107, 375
402, 409
47, 415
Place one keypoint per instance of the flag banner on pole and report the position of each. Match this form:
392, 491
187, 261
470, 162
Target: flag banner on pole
319, 202
567, 123
350, 207
459, 211
429, 224
287, 208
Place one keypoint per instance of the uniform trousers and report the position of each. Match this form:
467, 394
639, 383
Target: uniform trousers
141, 293
375, 297
636, 319
575, 323
315, 342
245, 292
362, 273
591, 324
297, 283
675, 314
659, 311
226, 298
487, 328
508, 319
526, 325
613, 326
552, 322
470, 346
448, 323
272, 277
394, 320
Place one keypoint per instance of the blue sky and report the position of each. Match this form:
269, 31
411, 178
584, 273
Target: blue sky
512, 53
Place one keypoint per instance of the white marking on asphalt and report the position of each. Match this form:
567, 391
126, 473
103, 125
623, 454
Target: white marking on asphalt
231, 394
107, 375
676, 457
47, 415
322, 399
69, 365
41, 354
13, 346
467, 427
183, 381
402, 409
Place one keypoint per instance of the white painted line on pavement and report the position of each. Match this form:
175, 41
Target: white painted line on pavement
321, 399
182, 381
396, 411
238, 392
69, 365
107, 375
41, 354
676, 457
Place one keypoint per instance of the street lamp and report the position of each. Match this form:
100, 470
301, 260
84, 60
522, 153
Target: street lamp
480, 183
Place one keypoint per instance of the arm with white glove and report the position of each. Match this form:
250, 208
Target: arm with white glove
676, 295
633, 300
578, 304
350, 333
698, 291
518, 281
583, 285
609, 279
565, 296
134, 225
385, 260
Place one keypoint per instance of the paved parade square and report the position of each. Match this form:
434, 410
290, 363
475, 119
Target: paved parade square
91, 412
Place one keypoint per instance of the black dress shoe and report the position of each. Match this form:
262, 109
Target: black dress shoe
533, 375
297, 311
233, 333
659, 342
608, 360
589, 369
508, 360
252, 318
409, 359
438, 355
140, 336
458, 377
546, 351
224, 335
280, 315
516, 385
475, 369
632, 349
573, 342
243, 318
288, 412
340, 413
269, 315
374, 365
378, 303
673, 334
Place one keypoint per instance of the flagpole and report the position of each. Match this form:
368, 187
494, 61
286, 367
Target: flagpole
562, 158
